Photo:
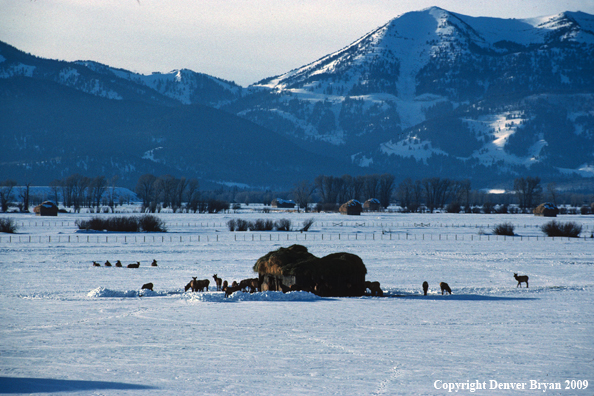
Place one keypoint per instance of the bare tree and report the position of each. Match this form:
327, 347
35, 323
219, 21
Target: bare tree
386, 187
527, 190
192, 195
302, 193
24, 195
145, 189
98, 185
6, 193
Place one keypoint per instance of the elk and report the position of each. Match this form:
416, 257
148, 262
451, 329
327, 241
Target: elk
154, 263
107, 263
252, 283
425, 287
218, 281
225, 285
445, 288
96, 264
375, 288
231, 289
520, 279
134, 265
118, 263
197, 285
148, 286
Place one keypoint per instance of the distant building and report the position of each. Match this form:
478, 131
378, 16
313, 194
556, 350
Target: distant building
352, 207
546, 209
372, 205
282, 203
47, 208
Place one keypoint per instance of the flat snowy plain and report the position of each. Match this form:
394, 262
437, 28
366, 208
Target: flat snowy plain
67, 327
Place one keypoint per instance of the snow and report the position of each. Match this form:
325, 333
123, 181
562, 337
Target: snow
71, 328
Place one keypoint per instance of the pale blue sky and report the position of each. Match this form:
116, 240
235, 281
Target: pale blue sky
239, 40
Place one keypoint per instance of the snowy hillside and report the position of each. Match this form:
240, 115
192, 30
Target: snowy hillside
430, 92
434, 72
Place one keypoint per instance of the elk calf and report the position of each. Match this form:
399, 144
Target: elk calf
520, 279
445, 288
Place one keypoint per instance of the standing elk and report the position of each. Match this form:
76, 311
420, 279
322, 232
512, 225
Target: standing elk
445, 288
425, 287
520, 279
231, 289
148, 286
197, 285
218, 282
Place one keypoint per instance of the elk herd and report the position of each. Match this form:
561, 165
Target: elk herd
253, 284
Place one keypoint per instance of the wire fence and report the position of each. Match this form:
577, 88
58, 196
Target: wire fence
263, 237
319, 224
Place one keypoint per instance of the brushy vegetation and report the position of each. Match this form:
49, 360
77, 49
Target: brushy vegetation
504, 229
307, 224
8, 225
259, 225
557, 229
146, 223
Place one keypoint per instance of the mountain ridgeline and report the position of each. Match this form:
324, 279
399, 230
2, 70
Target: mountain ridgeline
430, 93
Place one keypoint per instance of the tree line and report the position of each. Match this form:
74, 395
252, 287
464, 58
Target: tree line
323, 193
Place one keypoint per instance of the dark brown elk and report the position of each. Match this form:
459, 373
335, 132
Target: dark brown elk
218, 282
134, 265
225, 285
118, 263
148, 286
252, 283
425, 287
284, 288
231, 289
234, 284
107, 263
197, 285
445, 288
375, 288
154, 263
96, 264
520, 279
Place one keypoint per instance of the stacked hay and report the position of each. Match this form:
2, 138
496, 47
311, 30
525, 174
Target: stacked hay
336, 275
352, 207
546, 209
372, 205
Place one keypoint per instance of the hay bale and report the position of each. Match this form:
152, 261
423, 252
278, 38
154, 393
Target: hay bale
546, 209
337, 274
352, 207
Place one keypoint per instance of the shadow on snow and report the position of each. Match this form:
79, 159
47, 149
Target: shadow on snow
45, 385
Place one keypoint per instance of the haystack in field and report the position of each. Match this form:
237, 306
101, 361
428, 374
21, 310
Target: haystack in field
294, 268
547, 209
352, 207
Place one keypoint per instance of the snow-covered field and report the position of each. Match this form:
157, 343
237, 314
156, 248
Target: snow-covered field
68, 327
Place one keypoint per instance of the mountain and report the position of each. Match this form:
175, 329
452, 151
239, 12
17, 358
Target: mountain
435, 92
430, 93
51, 127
